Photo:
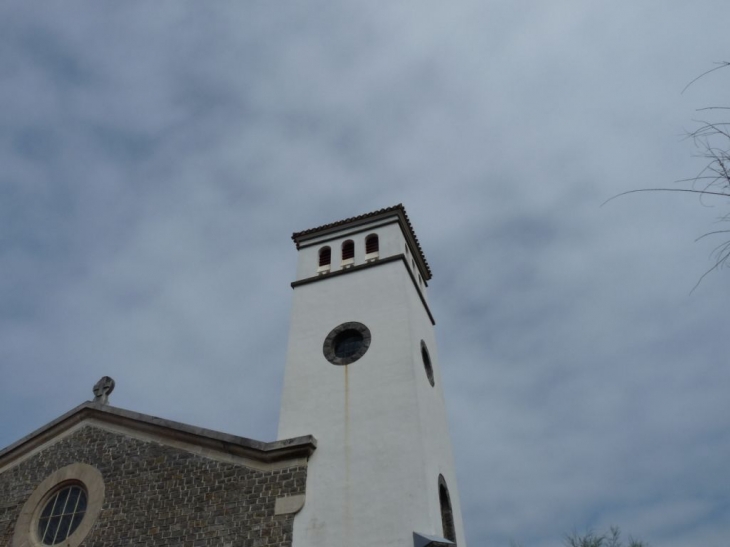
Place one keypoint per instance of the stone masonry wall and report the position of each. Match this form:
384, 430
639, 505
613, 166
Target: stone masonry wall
158, 495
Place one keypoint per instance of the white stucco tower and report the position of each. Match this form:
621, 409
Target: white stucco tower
363, 377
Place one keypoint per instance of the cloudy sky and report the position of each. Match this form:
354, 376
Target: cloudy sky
156, 158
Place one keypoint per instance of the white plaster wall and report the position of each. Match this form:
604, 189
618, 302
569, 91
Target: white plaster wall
437, 448
381, 428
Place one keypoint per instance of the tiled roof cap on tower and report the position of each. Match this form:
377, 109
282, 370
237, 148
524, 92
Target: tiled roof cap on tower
398, 209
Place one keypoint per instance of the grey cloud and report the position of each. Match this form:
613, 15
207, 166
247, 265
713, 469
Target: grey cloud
156, 159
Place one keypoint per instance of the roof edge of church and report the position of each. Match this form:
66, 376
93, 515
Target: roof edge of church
399, 208
267, 452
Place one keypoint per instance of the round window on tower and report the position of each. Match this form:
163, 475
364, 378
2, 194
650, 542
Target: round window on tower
346, 343
427, 363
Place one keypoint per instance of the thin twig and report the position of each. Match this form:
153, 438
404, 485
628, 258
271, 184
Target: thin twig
720, 64
689, 190
712, 234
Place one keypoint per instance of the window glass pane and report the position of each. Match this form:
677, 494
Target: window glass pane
348, 343
50, 531
81, 507
62, 532
61, 501
73, 497
75, 523
62, 515
49, 507
42, 524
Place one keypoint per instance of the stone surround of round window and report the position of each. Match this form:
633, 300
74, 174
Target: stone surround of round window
62, 509
346, 343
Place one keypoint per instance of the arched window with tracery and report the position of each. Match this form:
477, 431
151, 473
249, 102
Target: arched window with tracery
447, 515
348, 252
325, 257
372, 246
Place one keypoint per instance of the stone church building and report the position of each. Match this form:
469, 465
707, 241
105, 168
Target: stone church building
363, 457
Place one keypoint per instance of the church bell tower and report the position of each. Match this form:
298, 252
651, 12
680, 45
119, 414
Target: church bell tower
363, 377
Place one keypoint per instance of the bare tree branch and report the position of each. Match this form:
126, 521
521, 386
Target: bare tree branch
712, 139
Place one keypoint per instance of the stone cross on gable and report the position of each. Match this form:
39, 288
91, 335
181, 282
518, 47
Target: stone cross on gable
102, 389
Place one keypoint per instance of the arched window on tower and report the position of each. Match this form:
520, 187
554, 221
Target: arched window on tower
325, 259
348, 252
447, 515
372, 246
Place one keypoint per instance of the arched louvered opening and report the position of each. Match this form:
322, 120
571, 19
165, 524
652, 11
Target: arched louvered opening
372, 245
325, 257
447, 515
348, 252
